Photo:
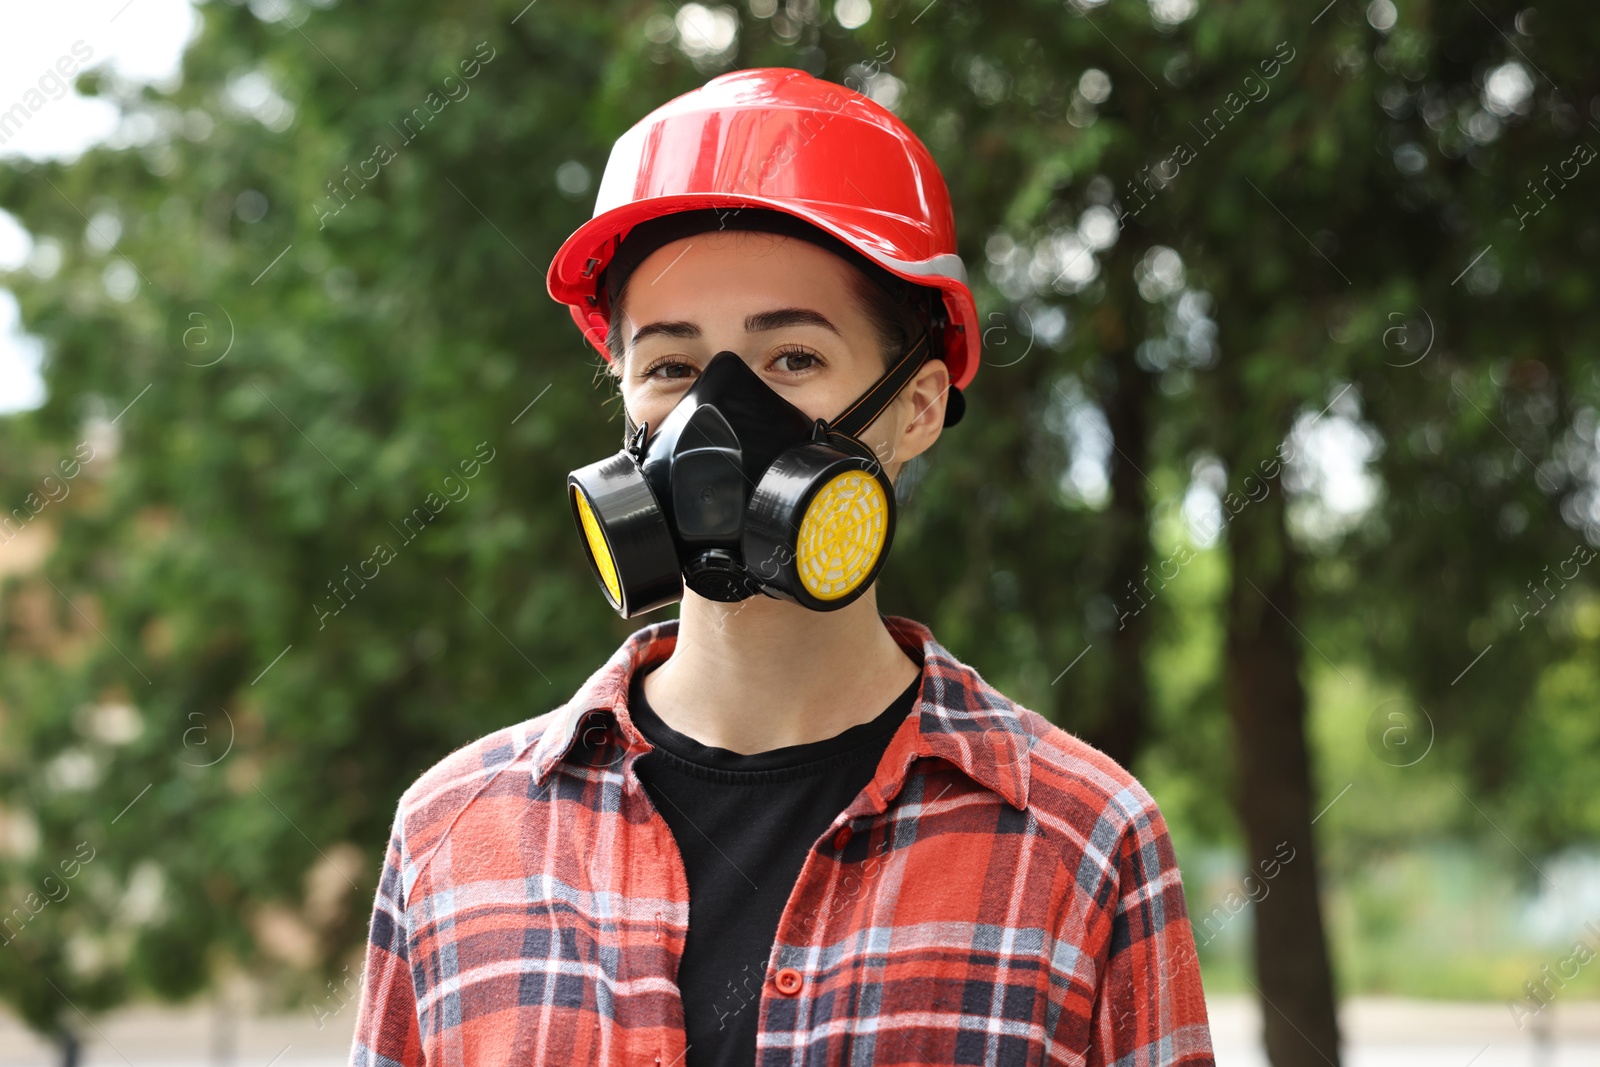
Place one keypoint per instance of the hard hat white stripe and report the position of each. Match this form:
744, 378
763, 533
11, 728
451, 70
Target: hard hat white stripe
946, 265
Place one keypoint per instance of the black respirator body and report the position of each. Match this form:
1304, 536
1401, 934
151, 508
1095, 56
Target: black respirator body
740, 493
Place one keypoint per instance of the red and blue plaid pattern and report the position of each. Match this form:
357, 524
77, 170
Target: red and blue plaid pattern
1000, 893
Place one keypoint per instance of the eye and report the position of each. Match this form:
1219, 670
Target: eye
669, 363
677, 369
795, 352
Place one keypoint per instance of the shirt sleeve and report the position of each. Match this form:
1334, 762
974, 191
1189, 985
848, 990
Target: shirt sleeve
386, 1021
1149, 1007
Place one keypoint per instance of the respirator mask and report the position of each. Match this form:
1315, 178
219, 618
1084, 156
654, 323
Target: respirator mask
739, 493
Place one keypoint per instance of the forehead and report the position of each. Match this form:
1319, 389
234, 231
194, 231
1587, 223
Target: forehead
735, 266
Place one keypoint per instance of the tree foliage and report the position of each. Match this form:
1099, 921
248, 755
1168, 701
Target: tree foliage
303, 332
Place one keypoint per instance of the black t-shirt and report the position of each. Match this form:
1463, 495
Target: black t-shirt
744, 825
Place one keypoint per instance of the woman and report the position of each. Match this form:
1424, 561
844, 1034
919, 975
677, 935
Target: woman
780, 828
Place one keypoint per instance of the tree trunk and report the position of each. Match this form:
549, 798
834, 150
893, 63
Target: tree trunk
69, 1046
1121, 734
1267, 705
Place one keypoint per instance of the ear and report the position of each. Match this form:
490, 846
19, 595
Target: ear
918, 417
924, 400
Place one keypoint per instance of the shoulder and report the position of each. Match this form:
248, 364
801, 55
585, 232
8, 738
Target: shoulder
1069, 779
1104, 823
434, 802
1079, 797
1105, 827
502, 762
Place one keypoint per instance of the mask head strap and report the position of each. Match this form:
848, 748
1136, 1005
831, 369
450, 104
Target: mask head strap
858, 416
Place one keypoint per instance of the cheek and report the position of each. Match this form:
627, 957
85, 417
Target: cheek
643, 407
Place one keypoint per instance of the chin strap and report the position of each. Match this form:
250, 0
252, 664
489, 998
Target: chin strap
858, 416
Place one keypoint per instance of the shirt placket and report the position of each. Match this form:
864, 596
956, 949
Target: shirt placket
655, 868
814, 914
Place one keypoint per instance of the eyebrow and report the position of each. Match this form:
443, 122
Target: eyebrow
760, 322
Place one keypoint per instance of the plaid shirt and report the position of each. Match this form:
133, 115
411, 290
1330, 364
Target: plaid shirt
1000, 893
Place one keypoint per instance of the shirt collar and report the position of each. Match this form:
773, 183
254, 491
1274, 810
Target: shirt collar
961, 717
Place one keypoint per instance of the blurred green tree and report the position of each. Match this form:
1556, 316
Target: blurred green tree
281, 319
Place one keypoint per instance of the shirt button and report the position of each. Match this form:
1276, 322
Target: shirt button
787, 981
842, 838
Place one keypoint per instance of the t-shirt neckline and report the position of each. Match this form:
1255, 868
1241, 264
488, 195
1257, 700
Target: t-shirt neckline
827, 751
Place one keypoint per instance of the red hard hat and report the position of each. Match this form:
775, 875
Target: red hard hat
780, 139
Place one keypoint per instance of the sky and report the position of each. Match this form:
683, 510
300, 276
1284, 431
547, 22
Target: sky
142, 40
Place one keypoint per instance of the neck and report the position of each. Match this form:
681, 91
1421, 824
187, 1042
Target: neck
764, 673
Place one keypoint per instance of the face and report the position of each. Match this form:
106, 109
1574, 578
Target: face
785, 306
